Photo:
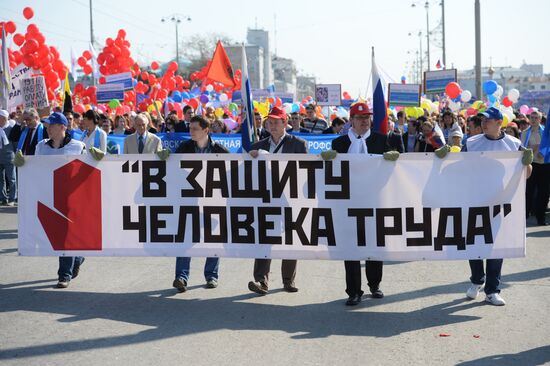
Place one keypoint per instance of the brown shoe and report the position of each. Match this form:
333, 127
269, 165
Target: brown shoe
290, 288
180, 285
258, 287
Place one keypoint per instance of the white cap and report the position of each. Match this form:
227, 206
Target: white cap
4, 113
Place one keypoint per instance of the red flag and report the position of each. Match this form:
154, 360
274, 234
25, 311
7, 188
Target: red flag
220, 68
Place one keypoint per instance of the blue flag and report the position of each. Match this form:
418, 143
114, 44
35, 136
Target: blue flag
248, 132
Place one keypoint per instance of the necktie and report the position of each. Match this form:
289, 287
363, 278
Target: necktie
27, 143
140, 144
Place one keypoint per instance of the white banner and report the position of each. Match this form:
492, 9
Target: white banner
468, 205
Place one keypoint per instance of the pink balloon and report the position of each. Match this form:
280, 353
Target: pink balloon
523, 109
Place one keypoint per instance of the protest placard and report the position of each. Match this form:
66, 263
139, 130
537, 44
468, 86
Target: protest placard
106, 92
33, 92
404, 95
436, 81
328, 94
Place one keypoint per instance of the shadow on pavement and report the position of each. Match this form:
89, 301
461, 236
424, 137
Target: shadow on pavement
163, 311
8, 234
535, 356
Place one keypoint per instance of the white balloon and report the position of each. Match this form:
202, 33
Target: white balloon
209, 87
513, 95
287, 107
223, 97
499, 91
454, 106
466, 96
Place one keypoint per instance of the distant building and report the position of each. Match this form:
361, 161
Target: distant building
305, 86
529, 79
260, 37
255, 59
284, 73
507, 76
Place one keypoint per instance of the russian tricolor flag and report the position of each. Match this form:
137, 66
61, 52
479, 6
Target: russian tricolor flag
379, 110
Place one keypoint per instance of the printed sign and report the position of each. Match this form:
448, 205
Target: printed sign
106, 92
404, 95
33, 92
328, 94
436, 81
124, 78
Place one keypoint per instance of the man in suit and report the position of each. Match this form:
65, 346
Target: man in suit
183, 126
361, 140
142, 141
200, 143
26, 134
279, 142
260, 129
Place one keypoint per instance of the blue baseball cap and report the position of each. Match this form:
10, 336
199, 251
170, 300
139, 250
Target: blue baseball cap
493, 113
57, 118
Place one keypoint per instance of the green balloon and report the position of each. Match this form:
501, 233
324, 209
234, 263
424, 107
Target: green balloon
113, 103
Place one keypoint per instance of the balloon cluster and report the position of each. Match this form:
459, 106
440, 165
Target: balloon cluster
457, 95
115, 57
35, 53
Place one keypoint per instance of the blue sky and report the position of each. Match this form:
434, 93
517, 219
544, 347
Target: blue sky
329, 39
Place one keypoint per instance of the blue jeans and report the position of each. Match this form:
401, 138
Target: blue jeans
8, 187
210, 268
66, 267
491, 279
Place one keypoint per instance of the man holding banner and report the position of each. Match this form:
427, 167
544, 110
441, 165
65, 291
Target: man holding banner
94, 137
361, 140
278, 143
200, 143
61, 143
492, 139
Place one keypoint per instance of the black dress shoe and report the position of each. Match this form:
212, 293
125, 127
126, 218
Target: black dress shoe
353, 300
257, 287
290, 288
377, 294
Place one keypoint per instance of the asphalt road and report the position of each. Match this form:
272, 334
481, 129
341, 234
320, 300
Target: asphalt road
123, 311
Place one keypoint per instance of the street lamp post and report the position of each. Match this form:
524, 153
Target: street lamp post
176, 19
443, 33
427, 6
420, 56
478, 48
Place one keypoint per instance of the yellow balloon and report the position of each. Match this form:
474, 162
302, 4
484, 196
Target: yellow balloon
425, 104
455, 149
505, 121
419, 112
218, 112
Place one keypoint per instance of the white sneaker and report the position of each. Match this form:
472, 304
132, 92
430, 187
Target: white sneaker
473, 291
495, 299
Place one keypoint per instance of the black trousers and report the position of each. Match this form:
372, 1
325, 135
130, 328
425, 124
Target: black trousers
537, 191
353, 276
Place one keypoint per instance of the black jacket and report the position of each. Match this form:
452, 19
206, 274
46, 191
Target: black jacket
292, 144
188, 147
16, 132
181, 127
376, 143
406, 142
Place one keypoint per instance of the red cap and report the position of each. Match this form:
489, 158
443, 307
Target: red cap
277, 113
359, 108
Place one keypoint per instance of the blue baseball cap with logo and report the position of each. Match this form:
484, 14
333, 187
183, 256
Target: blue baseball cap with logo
57, 118
493, 113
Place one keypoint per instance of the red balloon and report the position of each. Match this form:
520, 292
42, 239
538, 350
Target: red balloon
154, 65
81, 61
507, 102
193, 103
32, 28
87, 69
28, 13
10, 27
173, 66
18, 39
79, 108
102, 80
87, 55
453, 90
31, 46
121, 33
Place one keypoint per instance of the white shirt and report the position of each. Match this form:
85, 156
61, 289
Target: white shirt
74, 147
89, 140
